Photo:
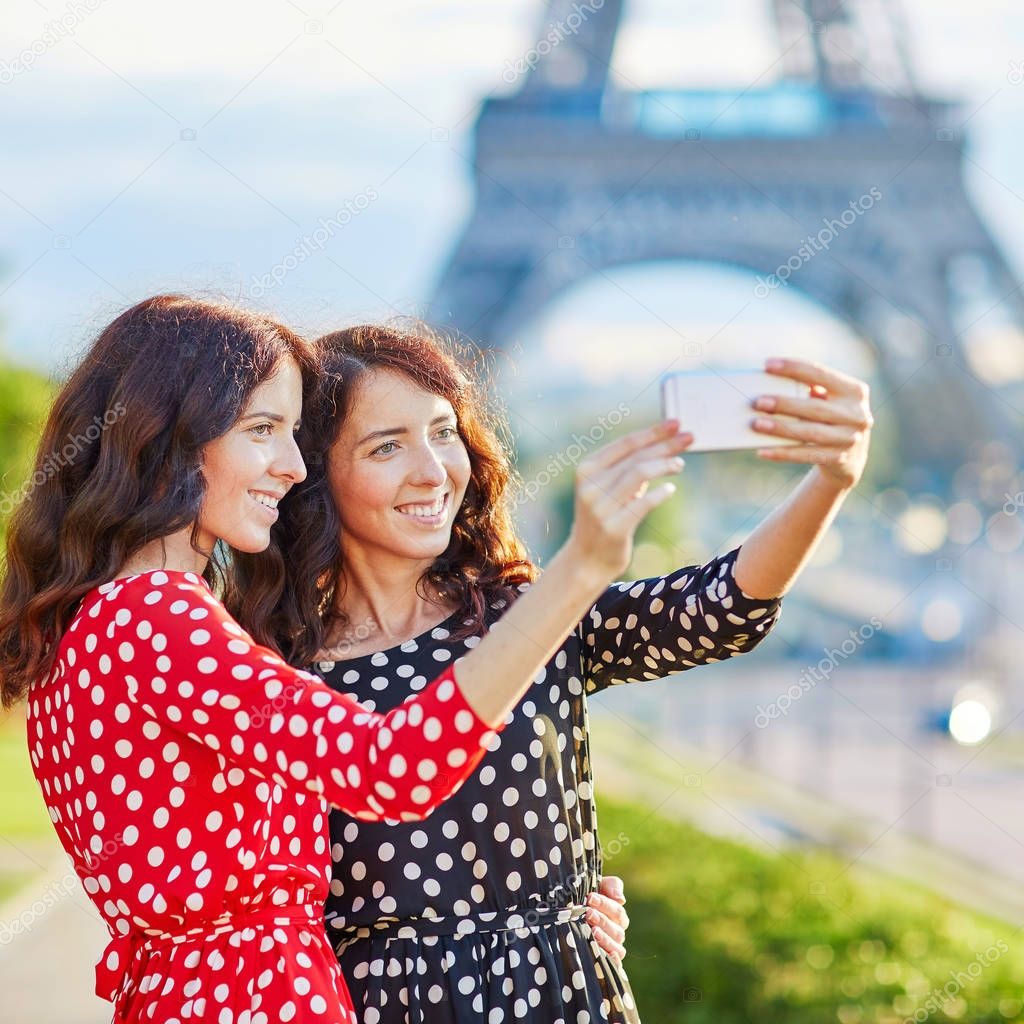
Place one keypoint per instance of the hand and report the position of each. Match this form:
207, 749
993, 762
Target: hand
834, 423
607, 916
613, 495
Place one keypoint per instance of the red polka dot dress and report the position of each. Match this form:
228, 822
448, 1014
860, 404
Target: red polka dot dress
188, 774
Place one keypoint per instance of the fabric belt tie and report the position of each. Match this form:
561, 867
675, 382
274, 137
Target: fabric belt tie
516, 919
112, 972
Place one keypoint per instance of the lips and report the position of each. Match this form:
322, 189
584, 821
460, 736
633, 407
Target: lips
266, 500
423, 510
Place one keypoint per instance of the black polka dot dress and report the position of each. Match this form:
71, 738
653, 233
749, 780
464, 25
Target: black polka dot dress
476, 914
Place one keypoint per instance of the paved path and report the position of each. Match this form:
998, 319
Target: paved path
46, 969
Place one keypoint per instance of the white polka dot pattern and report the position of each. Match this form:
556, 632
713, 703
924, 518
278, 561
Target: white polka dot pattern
439, 921
652, 628
186, 769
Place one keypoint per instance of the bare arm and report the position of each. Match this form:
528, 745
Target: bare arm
835, 425
612, 498
772, 557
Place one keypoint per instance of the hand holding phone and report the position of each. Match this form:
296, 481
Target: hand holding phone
717, 406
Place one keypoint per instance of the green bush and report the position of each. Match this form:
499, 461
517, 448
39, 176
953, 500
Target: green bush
25, 399
724, 934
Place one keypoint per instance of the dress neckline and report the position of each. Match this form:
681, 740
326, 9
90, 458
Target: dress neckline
443, 624
101, 590
192, 576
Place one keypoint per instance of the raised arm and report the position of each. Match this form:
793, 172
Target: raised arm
612, 498
834, 425
191, 667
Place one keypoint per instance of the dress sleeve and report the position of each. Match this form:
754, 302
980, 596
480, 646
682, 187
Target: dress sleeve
191, 667
657, 627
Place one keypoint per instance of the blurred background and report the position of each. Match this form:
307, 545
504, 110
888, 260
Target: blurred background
601, 193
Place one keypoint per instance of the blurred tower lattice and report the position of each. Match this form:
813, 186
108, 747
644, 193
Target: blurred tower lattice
840, 180
826, 42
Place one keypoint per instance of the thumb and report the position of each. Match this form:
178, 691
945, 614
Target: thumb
613, 888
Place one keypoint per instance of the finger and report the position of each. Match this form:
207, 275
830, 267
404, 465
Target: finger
612, 887
821, 434
612, 948
805, 454
612, 454
624, 483
814, 373
815, 410
596, 919
610, 908
612, 491
673, 446
625, 518
605, 477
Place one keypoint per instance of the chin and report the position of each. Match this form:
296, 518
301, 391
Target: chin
427, 549
249, 545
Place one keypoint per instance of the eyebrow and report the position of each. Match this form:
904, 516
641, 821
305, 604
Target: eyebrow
265, 416
403, 430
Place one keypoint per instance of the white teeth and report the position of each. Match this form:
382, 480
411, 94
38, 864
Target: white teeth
423, 511
265, 499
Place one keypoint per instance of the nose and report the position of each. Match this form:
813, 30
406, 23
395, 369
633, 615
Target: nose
290, 465
429, 470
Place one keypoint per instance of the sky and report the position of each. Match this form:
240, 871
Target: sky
152, 148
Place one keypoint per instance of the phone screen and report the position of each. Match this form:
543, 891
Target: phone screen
717, 407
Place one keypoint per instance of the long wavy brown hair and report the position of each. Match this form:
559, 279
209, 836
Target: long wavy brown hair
120, 461
484, 561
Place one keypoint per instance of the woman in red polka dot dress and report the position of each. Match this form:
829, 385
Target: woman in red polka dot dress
188, 770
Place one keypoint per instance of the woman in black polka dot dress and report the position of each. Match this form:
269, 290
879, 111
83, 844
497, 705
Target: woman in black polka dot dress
479, 913
480, 908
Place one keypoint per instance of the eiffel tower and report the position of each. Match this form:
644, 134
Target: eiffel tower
575, 175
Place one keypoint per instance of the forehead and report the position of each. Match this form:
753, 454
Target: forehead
284, 384
387, 394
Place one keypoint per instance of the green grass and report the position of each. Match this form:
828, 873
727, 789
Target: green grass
27, 839
724, 934
22, 812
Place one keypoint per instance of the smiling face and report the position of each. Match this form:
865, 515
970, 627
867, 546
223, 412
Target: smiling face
251, 467
398, 471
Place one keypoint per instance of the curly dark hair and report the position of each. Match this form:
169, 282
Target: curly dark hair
120, 461
484, 562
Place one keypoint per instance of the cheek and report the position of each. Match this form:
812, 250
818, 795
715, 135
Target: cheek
219, 471
361, 492
459, 469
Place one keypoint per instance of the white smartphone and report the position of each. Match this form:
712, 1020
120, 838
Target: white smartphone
717, 407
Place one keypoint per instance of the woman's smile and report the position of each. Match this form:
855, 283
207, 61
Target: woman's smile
432, 514
267, 503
